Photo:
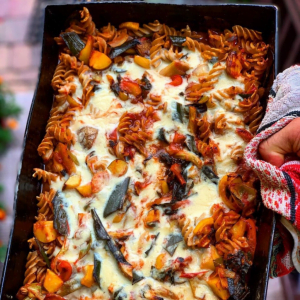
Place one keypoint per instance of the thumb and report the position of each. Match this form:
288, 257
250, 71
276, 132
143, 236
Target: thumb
285, 141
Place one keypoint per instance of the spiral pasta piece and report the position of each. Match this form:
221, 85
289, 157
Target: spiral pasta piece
61, 134
59, 76
136, 131
228, 93
166, 55
203, 129
247, 34
34, 262
100, 44
166, 30
155, 50
44, 205
44, 175
207, 52
85, 80
148, 29
237, 153
45, 146
220, 124
247, 104
187, 229
154, 100
253, 118
87, 22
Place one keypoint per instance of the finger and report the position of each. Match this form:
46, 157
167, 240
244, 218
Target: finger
285, 141
269, 154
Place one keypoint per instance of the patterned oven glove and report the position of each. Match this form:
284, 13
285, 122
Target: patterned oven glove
280, 187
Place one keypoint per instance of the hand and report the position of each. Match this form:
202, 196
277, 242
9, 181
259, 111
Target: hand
286, 141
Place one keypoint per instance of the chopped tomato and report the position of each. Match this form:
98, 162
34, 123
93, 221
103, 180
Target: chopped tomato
176, 80
65, 270
176, 169
113, 135
82, 218
174, 148
179, 138
131, 88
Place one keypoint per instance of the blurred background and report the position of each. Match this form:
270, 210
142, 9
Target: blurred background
21, 23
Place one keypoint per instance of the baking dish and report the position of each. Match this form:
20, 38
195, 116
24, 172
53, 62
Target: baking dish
262, 18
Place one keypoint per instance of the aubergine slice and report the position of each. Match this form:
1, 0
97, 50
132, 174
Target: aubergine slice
172, 242
119, 50
177, 40
97, 269
100, 231
137, 276
162, 135
209, 173
73, 42
177, 112
87, 136
152, 245
116, 198
191, 144
102, 234
60, 220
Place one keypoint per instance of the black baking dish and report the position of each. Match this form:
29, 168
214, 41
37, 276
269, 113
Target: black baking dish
258, 17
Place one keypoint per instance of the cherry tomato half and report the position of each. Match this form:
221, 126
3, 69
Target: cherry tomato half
176, 80
65, 270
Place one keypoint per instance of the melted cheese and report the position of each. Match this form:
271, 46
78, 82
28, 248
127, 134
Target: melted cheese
101, 114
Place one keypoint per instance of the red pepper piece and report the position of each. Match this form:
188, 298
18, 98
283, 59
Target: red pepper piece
176, 169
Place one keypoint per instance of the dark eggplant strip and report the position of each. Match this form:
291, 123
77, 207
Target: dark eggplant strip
119, 50
73, 42
136, 277
177, 40
60, 219
161, 136
172, 243
152, 245
208, 172
191, 144
111, 244
178, 112
98, 226
116, 198
97, 269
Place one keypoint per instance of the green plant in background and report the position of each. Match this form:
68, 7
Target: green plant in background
8, 112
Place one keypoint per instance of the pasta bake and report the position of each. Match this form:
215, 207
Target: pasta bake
145, 191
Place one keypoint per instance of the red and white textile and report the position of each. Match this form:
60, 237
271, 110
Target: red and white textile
280, 187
